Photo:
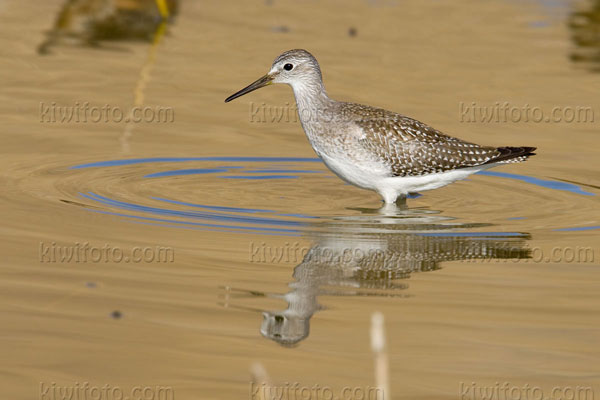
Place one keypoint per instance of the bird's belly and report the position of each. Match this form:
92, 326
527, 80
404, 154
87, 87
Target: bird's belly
364, 176
408, 184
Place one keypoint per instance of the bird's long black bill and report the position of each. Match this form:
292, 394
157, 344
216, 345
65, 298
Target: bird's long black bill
264, 81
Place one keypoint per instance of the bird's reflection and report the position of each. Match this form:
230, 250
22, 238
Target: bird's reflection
584, 24
370, 254
92, 22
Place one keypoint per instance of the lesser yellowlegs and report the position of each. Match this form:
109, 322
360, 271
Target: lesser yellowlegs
373, 148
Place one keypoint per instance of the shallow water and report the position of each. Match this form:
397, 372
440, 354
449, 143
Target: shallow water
249, 250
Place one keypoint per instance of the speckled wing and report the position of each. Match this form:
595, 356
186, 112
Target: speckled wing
411, 148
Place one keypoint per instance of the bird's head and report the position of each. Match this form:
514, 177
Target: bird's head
297, 68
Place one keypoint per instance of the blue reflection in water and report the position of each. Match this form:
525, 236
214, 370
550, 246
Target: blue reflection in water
569, 187
282, 171
231, 209
193, 171
287, 232
215, 208
188, 214
260, 177
579, 228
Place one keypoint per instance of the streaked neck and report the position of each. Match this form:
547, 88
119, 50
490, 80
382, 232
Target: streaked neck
311, 100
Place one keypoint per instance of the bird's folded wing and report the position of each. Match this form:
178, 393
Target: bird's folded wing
411, 148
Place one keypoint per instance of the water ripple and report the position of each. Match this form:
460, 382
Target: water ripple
211, 213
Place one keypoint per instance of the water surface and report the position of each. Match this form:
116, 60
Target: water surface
272, 258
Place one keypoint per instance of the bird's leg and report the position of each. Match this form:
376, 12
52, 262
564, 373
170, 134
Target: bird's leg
393, 207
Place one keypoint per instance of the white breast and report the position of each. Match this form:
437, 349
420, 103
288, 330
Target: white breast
365, 175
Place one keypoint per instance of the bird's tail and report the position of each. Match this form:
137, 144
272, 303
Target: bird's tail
512, 154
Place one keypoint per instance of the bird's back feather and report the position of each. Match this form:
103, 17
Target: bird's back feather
411, 148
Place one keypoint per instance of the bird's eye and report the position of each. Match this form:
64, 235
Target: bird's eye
288, 67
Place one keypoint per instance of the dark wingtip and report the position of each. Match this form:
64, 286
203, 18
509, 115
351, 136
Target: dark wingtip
509, 152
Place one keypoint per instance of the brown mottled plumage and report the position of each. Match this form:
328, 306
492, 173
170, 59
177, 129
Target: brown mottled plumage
412, 148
